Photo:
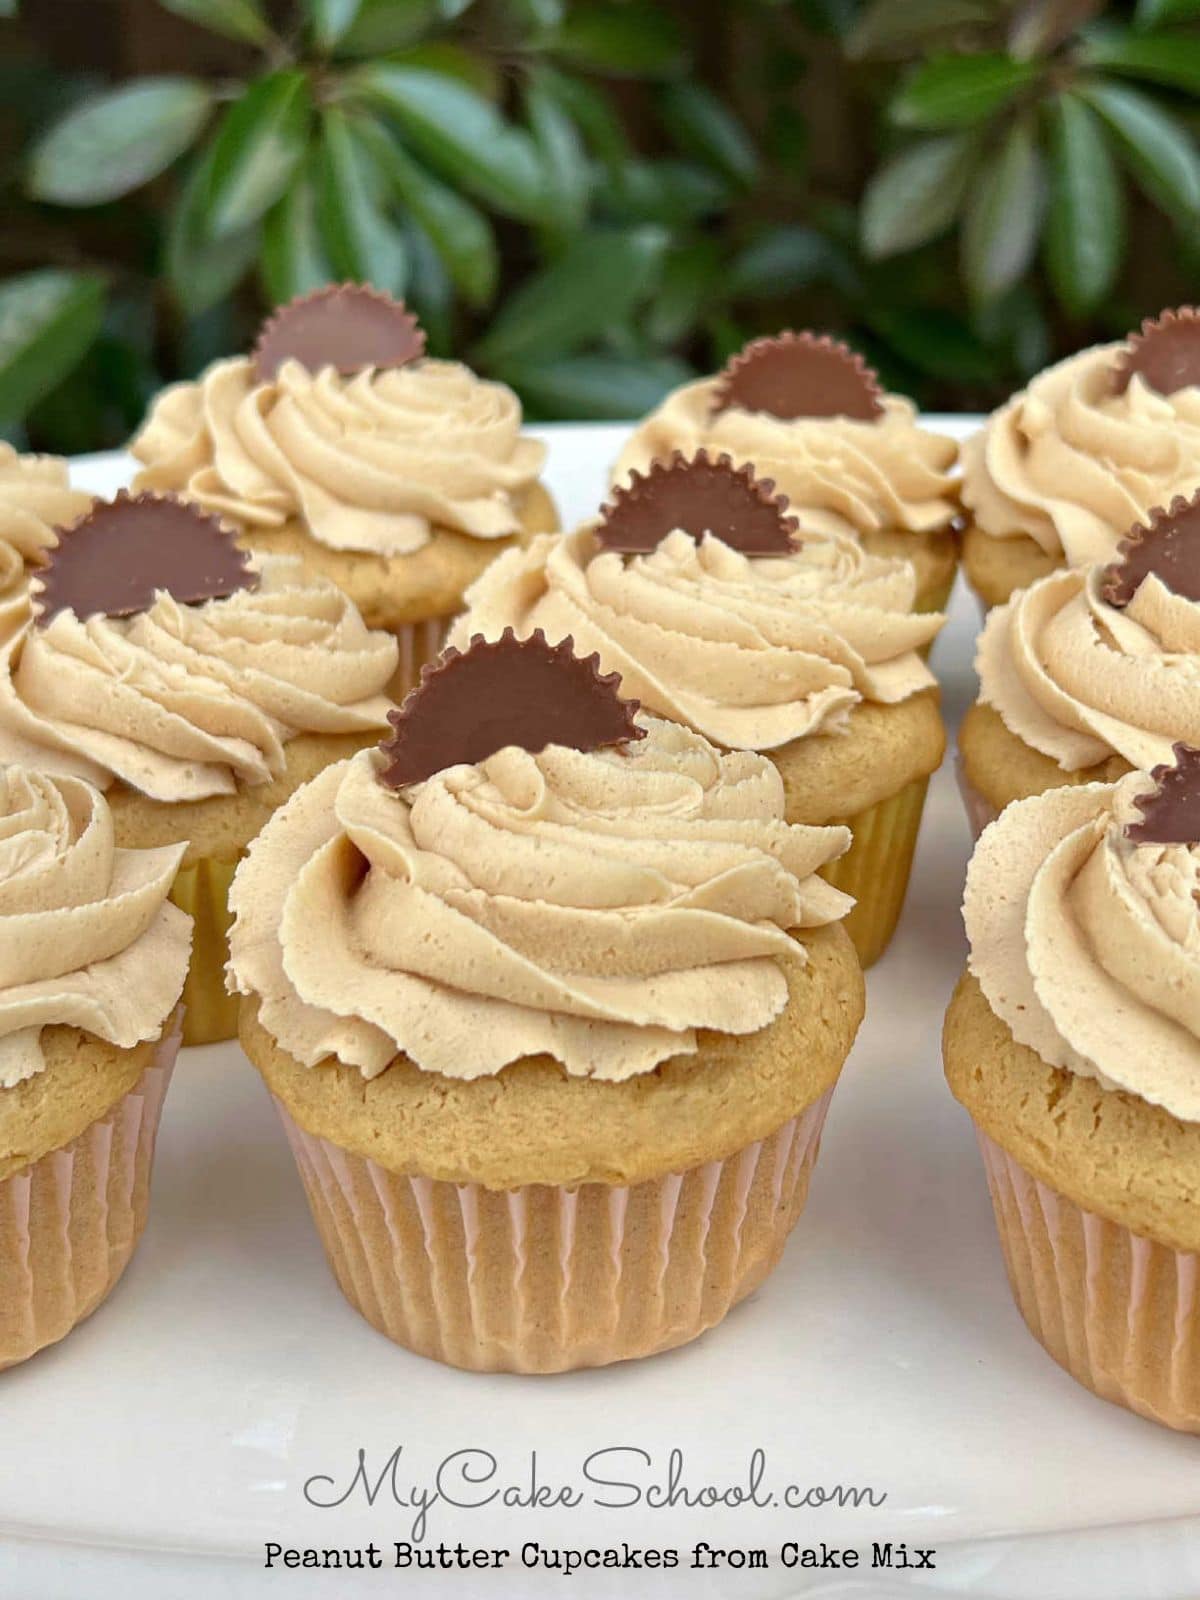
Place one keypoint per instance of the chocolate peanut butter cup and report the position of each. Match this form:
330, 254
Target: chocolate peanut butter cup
794, 375
349, 326
1167, 546
1171, 810
701, 495
1165, 352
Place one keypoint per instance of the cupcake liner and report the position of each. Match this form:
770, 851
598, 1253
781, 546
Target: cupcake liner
980, 810
1120, 1312
546, 1279
876, 868
420, 643
202, 890
70, 1221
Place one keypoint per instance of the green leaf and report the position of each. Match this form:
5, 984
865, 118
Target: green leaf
201, 269
567, 176
1171, 58
1003, 217
668, 191
934, 342
430, 292
535, 16
460, 134
1085, 222
596, 282
358, 235
592, 113
886, 28
118, 141
1159, 152
596, 387
236, 19
293, 256
459, 232
916, 196
1154, 13
48, 321
450, 60
702, 126
329, 19
955, 91
258, 147
691, 277
628, 41
782, 261
381, 26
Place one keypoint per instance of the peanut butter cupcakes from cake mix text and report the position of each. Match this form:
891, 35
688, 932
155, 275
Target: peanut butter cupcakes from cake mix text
92, 964
196, 687
1059, 474
552, 1001
696, 586
1074, 1043
338, 441
1090, 673
807, 412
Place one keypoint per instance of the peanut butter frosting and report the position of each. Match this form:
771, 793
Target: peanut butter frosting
35, 499
841, 476
1087, 944
1072, 464
597, 907
182, 702
371, 462
88, 938
752, 651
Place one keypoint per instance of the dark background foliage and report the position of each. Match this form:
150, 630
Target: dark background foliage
588, 198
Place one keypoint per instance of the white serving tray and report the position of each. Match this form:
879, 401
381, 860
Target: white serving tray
157, 1450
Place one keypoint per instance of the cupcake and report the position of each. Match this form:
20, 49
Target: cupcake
694, 587
1090, 673
196, 687
552, 1003
35, 499
853, 461
92, 963
1073, 1041
396, 476
1094, 443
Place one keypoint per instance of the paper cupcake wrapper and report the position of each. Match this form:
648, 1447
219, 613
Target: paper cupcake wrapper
876, 868
980, 811
202, 890
1120, 1312
420, 643
546, 1279
70, 1221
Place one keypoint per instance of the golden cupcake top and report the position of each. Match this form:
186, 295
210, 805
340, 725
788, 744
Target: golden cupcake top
1093, 444
1105, 660
808, 413
718, 610
88, 938
160, 655
575, 879
339, 421
1082, 910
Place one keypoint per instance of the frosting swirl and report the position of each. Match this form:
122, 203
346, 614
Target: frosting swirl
88, 938
372, 462
597, 907
751, 651
1088, 945
1073, 465
841, 476
35, 499
1081, 680
182, 702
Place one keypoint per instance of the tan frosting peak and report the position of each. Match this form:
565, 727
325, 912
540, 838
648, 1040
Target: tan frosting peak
88, 938
35, 498
1073, 464
1081, 680
180, 701
751, 651
598, 907
370, 462
1088, 945
841, 476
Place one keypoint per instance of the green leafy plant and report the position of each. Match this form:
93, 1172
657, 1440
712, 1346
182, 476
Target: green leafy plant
593, 199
